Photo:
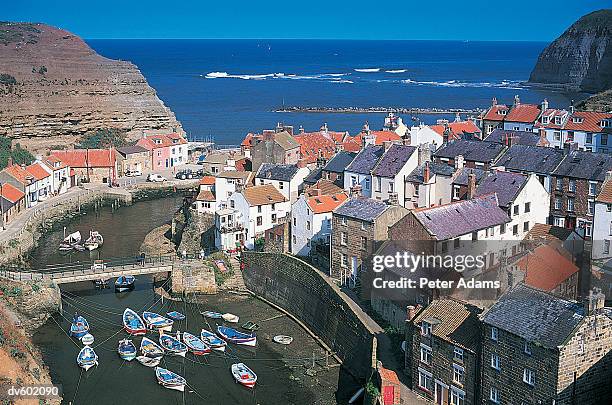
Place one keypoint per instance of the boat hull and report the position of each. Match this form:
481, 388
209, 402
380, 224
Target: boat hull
244, 375
136, 329
238, 338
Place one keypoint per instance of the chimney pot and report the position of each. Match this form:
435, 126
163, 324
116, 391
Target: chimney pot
426, 173
459, 162
471, 186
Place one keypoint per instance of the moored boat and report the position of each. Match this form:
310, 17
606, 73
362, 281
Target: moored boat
79, 326
283, 339
212, 314
244, 375
170, 379
230, 318
213, 340
126, 350
148, 361
70, 241
173, 345
150, 349
133, 323
177, 316
124, 283
87, 339
87, 358
156, 321
94, 241
195, 344
239, 338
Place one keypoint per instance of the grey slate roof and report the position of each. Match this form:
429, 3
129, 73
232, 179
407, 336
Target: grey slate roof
535, 315
519, 137
313, 176
278, 172
339, 162
442, 169
461, 217
366, 159
475, 151
363, 208
462, 177
129, 150
507, 185
393, 160
536, 159
585, 165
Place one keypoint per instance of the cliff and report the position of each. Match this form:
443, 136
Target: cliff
54, 88
581, 58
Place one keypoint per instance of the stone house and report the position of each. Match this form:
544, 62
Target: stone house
493, 117
19, 178
602, 223
475, 154
444, 354
335, 167
133, 158
288, 179
541, 349
275, 147
276, 239
90, 165
359, 171
390, 172
12, 202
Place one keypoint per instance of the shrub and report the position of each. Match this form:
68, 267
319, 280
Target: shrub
5, 78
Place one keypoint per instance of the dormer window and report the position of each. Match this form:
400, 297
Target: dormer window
558, 120
157, 141
577, 120
425, 328
606, 123
545, 120
502, 112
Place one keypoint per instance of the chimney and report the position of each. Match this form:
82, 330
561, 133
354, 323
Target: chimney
459, 162
608, 175
572, 109
393, 199
471, 186
324, 127
517, 100
569, 147
366, 128
316, 192
594, 302
268, 135
494, 102
424, 153
301, 129
355, 191
426, 173
544, 105
9, 162
509, 140
410, 312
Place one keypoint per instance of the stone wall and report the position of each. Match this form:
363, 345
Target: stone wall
308, 295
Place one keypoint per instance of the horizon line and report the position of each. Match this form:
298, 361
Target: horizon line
308, 39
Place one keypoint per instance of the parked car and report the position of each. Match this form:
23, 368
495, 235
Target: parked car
185, 174
155, 178
133, 173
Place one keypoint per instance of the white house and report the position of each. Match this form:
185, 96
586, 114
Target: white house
311, 220
60, 174
359, 171
229, 230
259, 209
424, 135
228, 182
602, 222
286, 178
390, 172
429, 184
205, 201
41, 180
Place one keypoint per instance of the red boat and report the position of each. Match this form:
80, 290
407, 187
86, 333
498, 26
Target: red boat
133, 323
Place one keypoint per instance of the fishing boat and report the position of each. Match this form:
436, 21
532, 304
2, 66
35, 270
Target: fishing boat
133, 324
94, 241
150, 349
170, 379
156, 321
87, 358
173, 345
70, 241
244, 375
79, 327
148, 361
239, 338
124, 283
126, 350
211, 314
283, 339
230, 318
195, 344
213, 340
101, 283
177, 316
87, 339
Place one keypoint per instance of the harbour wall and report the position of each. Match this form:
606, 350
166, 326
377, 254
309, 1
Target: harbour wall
307, 294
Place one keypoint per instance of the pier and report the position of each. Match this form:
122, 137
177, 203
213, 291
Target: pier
372, 110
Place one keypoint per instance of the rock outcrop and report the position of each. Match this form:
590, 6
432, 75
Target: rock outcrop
54, 88
581, 58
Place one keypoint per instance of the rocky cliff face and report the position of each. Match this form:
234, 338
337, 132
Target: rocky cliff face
581, 58
54, 88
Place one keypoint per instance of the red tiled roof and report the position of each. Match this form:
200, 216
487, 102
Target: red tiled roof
314, 143
205, 195
11, 193
86, 157
325, 203
383, 136
493, 114
51, 161
551, 113
249, 139
207, 181
605, 195
457, 128
19, 173
352, 144
37, 171
525, 113
157, 141
355, 143
546, 268
591, 121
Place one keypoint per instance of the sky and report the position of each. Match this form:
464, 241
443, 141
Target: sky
516, 20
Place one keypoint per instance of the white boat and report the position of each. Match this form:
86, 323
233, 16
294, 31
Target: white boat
156, 321
244, 375
87, 358
213, 340
230, 318
283, 339
94, 241
70, 241
150, 349
148, 361
87, 339
170, 379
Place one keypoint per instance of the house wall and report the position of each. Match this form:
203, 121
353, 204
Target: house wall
133, 161
364, 180
518, 126
382, 193
602, 231
271, 152
425, 135
300, 234
580, 216
534, 193
12, 210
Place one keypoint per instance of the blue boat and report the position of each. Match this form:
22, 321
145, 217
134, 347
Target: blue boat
177, 316
195, 345
170, 379
87, 358
133, 324
173, 345
213, 340
79, 326
124, 283
212, 314
239, 338
126, 350
156, 321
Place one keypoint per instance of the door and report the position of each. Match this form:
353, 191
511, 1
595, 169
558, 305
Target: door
353, 269
441, 394
388, 394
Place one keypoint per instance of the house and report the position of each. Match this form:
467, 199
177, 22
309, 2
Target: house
276, 239
457, 130
522, 117
424, 135
287, 179
275, 147
565, 239
228, 182
230, 232
510, 137
60, 174
428, 184
359, 171
133, 158
465, 180
216, 162
577, 182
395, 123
359, 225
19, 178
258, 209
167, 150
550, 125
42, 182
444, 356
311, 218
390, 172
205, 201
476, 154
12, 202
493, 117
315, 146
335, 167
315, 175
541, 349
90, 165
591, 131
528, 159
602, 223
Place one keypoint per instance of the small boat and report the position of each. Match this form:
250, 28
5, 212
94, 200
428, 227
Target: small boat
230, 318
70, 241
94, 241
403, 346
244, 375
213, 340
173, 345
87, 358
212, 314
156, 321
239, 338
283, 339
177, 316
87, 339
169, 379
195, 345
126, 350
150, 349
78, 247
148, 361
124, 283
101, 283
133, 323
250, 326
79, 327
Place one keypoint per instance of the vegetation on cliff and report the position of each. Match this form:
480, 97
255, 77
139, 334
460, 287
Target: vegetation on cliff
598, 102
16, 153
103, 138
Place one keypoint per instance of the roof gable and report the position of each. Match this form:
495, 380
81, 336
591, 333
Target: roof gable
279, 172
262, 195
365, 160
506, 185
362, 208
393, 160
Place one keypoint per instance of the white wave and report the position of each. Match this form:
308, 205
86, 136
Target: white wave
507, 84
396, 70
214, 75
369, 70
327, 77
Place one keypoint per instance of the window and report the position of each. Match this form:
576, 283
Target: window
591, 207
367, 184
353, 181
343, 260
364, 227
259, 221
391, 186
444, 246
425, 354
232, 204
559, 184
494, 395
502, 229
474, 236
515, 210
604, 139
572, 185
527, 207
343, 238
515, 230
274, 207
529, 376
592, 188
425, 380
588, 138
343, 220
457, 397
425, 328
294, 240
294, 221
570, 136
609, 207
527, 347
273, 218
517, 128
525, 226
557, 135
455, 192
364, 243
458, 354
281, 185
458, 374
570, 204
456, 243
308, 242
557, 203
494, 333
588, 229
606, 248
495, 361
259, 209
377, 183
308, 225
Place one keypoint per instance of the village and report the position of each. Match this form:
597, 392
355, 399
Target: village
526, 187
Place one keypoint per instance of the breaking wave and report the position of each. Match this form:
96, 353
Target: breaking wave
506, 84
326, 77
396, 71
369, 70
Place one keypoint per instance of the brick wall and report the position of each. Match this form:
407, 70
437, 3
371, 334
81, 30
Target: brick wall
353, 248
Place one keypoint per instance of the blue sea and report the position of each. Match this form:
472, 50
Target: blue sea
226, 88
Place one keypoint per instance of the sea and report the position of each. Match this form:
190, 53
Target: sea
223, 89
